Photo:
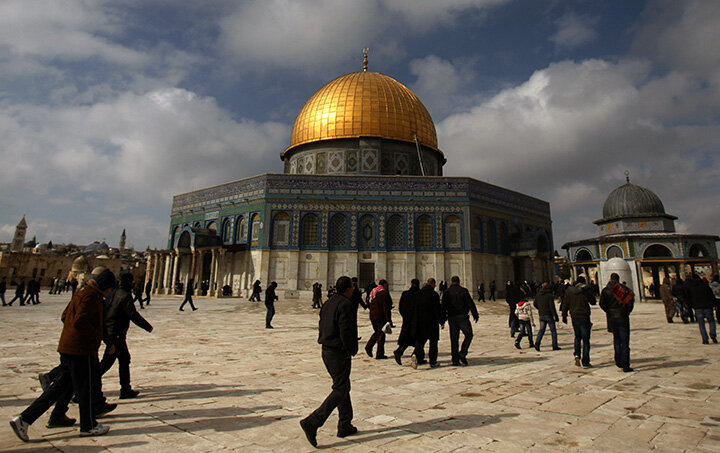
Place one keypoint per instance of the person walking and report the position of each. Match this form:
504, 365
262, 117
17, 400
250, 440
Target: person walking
78, 347
667, 298
380, 303
317, 294
427, 318
357, 298
117, 317
406, 307
148, 290
545, 304
715, 287
577, 301
256, 290
270, 299
19, 293
524, 312
481, 291
513, 295
189, 291
702, 301
3, 288
456, 303
368, 290
339, 340
137, 293
493, 288
617, 300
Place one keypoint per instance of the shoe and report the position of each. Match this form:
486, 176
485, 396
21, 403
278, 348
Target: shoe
269, 327
381, 357
128, 394
586, 365
181, 309
627, 369
456, 364
670, 321
347, 431
463, 360
98, 430
705, 342
556, 348
434, 365
398, 357
310, 431
537, 347
369, 351
105, 409
20, 428
517, 346
194, 309
45, 380
577, 361
413, 362
714, 339
60, 422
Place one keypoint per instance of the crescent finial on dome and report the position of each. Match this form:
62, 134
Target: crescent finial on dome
365, 60
627, 175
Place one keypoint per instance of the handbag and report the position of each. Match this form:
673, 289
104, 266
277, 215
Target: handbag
386, 328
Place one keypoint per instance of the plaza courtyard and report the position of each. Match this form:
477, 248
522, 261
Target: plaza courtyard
217, 380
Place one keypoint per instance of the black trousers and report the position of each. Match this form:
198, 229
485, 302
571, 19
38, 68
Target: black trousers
621, 341
269, 314
338, 365
378, 337
59, 393
459, 324
188, 299
432, 350
122, 354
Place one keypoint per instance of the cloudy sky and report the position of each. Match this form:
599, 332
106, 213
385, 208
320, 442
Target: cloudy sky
108, 108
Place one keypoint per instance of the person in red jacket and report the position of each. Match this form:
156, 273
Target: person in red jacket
78, 347
380, 303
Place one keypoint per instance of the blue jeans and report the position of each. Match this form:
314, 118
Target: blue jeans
581, 327
525, 329
621, 341
544, 322
705, 313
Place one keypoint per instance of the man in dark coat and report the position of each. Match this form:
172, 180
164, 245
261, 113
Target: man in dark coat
338, 337
148, 290
357, 298
380, 303
19, 293
493, 288
407, 309
618, 311
456, 303
577, 302
545, 304
513, 295
702, 301
3, 288
427, 318
117, 317
270, 299
189, 291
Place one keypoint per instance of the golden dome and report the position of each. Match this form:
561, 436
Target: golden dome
363, 104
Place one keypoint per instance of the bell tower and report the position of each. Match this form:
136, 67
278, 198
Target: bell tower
122, 240
19, 237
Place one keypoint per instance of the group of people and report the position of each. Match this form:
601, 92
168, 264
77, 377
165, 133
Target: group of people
693, 300
61, 285
27, 294
99, 312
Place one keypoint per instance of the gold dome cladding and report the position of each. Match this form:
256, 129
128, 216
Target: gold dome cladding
363, 104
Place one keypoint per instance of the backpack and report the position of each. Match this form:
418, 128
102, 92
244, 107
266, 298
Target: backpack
623, 294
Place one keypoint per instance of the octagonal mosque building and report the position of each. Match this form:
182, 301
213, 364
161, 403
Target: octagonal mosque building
362, 194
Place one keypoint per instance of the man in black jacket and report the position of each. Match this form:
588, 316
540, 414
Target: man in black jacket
577, 301
456, 303
545, 304
270, 299
702, 301
117, 317
408, 299
513, 295
189, 291
618, 315
427, 318
338, 337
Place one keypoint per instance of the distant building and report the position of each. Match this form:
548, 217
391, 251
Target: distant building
19, 237
636, 230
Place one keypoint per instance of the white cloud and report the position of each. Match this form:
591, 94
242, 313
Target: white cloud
574, 30
423, 13
441, 84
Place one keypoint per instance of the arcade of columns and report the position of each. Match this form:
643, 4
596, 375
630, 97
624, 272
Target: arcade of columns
163, 268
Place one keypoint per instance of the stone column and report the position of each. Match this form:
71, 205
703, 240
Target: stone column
193, 261
175, 272
166, 271
155, 273
213, 273
221, 270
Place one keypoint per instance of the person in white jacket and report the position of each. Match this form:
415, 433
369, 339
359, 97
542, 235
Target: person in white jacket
524, 312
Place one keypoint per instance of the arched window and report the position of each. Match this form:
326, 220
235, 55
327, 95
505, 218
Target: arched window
255, 228
184, 241
338, 231
196, 225
614, 252
423, 230
227, 231
309, 231
453, 238
173, 236
366, 232
698, 251
657, 251
583, 255
492, 237
395, 232
281, 230
240, 230
477, 237
212, 226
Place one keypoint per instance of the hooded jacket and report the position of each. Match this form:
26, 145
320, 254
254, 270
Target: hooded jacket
120, 312
545, 303
577, 301
83, 322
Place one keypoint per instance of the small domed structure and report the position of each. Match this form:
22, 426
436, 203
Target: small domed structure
80, 265
630, 200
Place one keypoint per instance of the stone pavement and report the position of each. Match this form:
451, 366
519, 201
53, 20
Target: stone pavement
217, 380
